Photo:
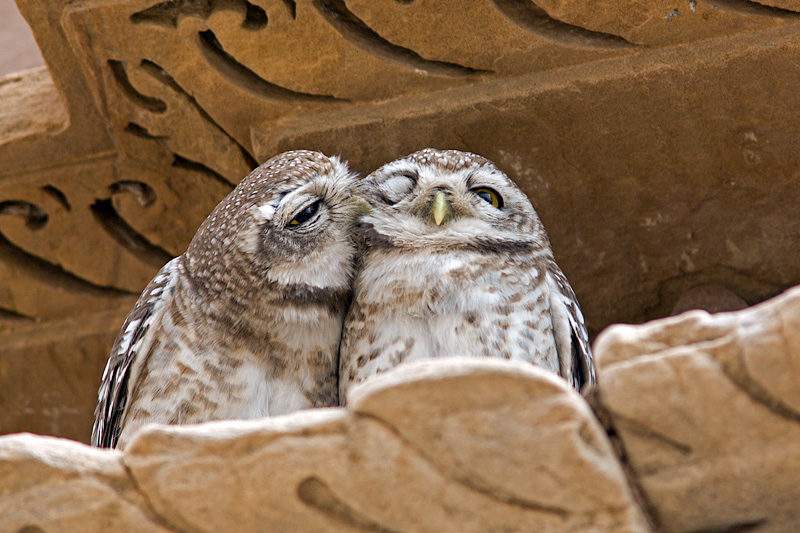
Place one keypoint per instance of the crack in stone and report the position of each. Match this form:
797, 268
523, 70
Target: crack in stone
11, 314
645, 431
358, 33
126, 236
179, 161
35, 217
747, 7
315, 493
470, 484
649, 511
150, 508
530, 17
740, 527
53, 275
169, 14
243, 77
142, 132
742, 380
150, 103
58, 195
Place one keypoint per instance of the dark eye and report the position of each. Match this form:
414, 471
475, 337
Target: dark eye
487, 194
305, 214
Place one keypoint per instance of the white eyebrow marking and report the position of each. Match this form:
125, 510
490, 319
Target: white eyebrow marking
267, 211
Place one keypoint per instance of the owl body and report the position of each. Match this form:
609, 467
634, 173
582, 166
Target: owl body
480, 281
247, 322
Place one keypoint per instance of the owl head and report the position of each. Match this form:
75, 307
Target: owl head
449, 199
289, 223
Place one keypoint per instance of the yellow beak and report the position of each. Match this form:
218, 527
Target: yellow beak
440, 208
362, 206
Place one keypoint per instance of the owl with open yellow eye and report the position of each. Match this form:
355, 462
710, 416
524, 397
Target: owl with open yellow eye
457, 262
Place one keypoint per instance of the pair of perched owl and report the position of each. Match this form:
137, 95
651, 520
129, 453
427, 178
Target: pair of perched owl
305, 280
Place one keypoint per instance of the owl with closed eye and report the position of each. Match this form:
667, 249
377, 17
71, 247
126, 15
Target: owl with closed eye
457, 263
247, 322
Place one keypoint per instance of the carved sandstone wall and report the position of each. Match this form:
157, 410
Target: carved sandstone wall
657, 140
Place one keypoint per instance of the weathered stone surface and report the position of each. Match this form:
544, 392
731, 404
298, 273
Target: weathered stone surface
29, 106
56, 485
50, 373
560, 94
85, 135
616, 156
708, 410
451, 445
709, 297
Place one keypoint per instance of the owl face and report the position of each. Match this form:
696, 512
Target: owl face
448, 197
290, 222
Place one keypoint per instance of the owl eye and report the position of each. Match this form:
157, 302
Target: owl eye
490, 196
397, 187
305, 214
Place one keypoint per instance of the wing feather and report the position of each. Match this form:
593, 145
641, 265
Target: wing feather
121, 369
572, 337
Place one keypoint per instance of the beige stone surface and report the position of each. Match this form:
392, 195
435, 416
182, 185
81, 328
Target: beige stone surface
497, 446
30, 106
452, 445
56, 485
708, 410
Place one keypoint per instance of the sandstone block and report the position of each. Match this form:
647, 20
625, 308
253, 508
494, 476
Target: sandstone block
455, 445
708, 410
29, 106
56, 485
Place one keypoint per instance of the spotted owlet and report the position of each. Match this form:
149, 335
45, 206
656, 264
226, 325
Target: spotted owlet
247, 322
457, 263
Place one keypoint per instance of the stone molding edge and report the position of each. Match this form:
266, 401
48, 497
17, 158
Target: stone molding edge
452, 445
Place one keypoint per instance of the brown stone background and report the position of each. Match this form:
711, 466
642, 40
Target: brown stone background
657, 140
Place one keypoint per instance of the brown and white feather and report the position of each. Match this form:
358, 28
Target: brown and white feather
247, 322
483, 283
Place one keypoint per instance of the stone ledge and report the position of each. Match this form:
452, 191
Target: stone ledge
707, 408
701, 412
51, 484
454, 445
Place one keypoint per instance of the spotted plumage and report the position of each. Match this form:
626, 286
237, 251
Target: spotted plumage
247, 322
457, 262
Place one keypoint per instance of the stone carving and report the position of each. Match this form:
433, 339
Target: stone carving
450, 445
707, 409
638, 129
169, 104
